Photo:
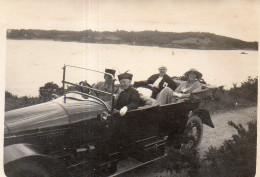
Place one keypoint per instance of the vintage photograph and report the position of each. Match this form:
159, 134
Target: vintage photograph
147, 88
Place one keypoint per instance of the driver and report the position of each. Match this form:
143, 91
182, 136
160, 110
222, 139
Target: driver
129, 98
106, 86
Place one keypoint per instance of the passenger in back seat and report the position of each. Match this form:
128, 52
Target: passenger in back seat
159, 81
183, 91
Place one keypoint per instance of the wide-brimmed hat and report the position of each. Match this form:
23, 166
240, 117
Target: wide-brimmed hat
192, 70
125, 76
110, 71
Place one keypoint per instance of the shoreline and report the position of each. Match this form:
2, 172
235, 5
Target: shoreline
164, 47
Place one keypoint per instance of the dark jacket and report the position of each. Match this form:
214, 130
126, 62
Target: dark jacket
129, 97
165, 82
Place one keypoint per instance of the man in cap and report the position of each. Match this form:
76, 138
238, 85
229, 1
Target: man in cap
106, 86
159, 81
129, 98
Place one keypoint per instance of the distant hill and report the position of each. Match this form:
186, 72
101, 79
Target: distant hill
187, 40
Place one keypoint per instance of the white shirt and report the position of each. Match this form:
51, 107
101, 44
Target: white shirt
157, 82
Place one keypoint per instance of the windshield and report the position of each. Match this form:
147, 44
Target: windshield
94, 84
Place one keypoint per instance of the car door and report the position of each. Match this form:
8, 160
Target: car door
141, 123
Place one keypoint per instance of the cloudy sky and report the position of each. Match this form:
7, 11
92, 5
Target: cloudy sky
234, 18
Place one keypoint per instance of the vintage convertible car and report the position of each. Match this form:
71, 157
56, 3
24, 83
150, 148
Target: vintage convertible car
80, 134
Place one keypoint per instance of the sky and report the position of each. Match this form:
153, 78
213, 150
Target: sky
233, 18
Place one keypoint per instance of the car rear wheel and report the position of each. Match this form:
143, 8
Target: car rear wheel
192, 135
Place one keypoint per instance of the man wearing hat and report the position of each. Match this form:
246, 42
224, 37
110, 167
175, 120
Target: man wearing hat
159, 81
129, 98
106, 86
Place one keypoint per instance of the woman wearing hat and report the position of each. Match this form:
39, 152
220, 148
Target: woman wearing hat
183, 91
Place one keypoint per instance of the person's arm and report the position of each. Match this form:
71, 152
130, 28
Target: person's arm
92, 92
116, 101
181, 95
170, 82
195, 88
96, 86
151, 79
178, 89
117, 92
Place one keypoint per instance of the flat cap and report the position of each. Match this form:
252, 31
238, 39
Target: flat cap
110, 71
125, 76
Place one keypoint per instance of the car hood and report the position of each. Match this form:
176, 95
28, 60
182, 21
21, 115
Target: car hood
82, 110
51, 114
35, 117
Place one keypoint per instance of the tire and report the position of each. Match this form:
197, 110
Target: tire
193, 133
28, 169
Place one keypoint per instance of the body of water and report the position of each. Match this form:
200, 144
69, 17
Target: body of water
32, 63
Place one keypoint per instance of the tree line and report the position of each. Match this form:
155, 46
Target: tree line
189, 40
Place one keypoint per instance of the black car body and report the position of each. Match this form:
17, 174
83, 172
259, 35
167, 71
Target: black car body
78, 133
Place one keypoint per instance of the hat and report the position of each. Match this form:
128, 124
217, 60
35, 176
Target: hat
198, 74
162, 67
125, 76
110, 71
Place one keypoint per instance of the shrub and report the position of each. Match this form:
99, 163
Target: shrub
236, 157
14, 102
46, 92
245, 95
247, 90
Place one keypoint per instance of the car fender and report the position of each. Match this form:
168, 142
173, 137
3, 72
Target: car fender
23, 152
18, 151
205, 117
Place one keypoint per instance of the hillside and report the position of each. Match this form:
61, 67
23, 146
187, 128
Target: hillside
188, 40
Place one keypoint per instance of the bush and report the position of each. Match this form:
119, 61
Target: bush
46, 92
245, 95
177, 162
236, 157
14, 102
247, 90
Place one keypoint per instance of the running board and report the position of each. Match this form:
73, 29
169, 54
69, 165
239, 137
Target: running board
135, 166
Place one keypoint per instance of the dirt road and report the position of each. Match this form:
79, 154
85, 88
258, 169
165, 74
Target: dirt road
211, 136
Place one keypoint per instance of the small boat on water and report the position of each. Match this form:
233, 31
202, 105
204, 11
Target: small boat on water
243, 53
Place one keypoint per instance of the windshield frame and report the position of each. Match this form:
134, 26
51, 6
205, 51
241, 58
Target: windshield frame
64, 82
